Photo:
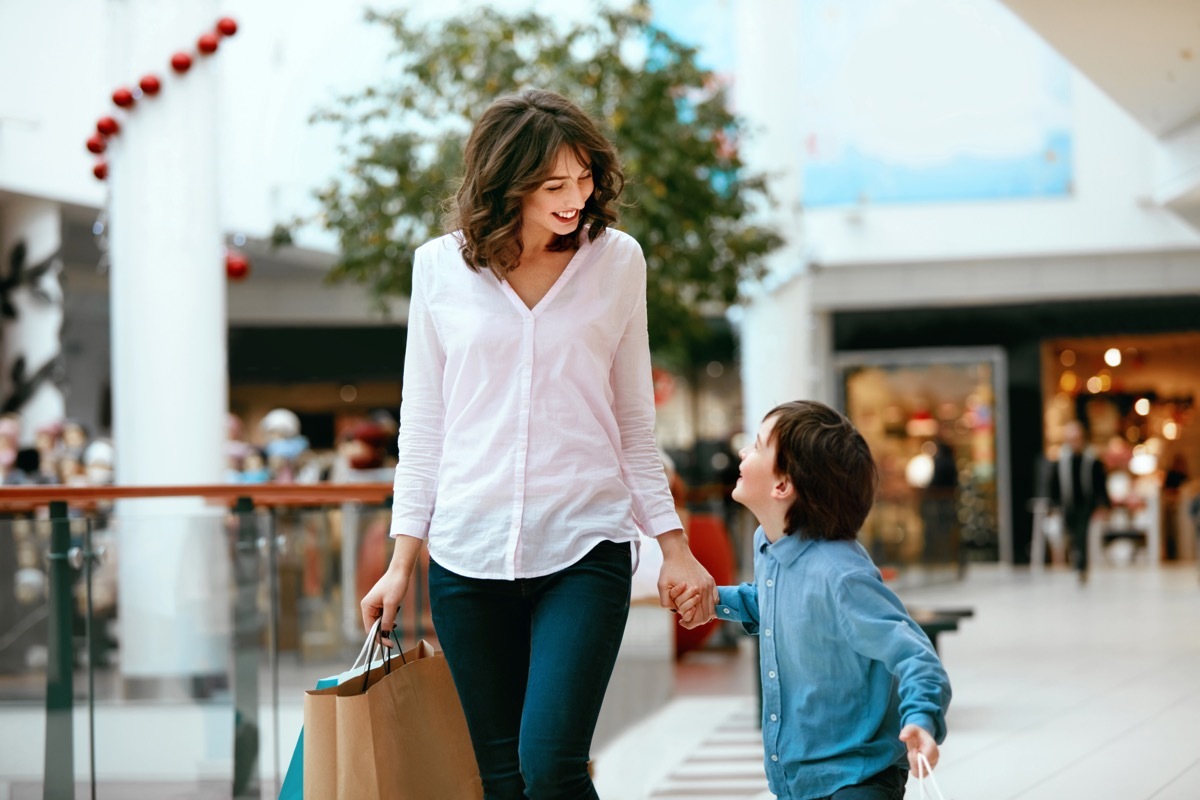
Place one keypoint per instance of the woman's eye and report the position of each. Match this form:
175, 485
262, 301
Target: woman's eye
553, 188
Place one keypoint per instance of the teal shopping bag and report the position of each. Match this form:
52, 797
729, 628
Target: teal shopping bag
293, 779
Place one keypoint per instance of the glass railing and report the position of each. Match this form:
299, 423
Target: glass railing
148, 636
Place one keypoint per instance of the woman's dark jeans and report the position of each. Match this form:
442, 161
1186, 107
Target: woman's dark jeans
531, 659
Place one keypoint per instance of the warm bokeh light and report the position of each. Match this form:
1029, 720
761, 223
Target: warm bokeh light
1142, 406
1112, 357
1067, 358
1095, 385
1143, 464
1171, 430
1069, 381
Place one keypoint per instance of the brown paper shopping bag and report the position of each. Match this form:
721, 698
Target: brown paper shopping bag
403, 738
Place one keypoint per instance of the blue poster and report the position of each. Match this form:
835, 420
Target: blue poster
928, 101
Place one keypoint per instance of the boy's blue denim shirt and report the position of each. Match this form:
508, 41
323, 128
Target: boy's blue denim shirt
844, 667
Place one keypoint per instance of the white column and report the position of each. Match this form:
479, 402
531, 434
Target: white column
781, 336
167, 289
33, 337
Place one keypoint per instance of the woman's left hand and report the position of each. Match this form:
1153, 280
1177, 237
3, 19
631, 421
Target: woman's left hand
680, 566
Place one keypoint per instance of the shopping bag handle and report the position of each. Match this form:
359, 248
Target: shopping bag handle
924, 774
387, 659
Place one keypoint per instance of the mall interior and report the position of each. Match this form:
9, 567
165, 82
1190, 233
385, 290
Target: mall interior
990, 214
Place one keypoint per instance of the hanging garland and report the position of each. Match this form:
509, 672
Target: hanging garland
237, 266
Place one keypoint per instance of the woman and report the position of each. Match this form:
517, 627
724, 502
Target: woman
527, 455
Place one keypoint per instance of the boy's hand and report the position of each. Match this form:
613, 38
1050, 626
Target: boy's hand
919, 740
688, 602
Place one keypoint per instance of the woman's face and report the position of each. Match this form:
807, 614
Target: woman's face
553, 208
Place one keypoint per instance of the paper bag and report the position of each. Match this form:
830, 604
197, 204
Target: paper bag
402, 738
293, 779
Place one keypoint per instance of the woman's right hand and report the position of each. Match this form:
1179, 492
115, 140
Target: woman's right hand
384, 598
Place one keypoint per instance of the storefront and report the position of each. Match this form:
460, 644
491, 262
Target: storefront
1135, 395
936, 421
913, 375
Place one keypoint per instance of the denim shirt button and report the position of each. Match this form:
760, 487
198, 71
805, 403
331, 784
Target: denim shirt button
774, 757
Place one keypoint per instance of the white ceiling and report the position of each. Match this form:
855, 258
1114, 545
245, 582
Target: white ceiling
1145, 54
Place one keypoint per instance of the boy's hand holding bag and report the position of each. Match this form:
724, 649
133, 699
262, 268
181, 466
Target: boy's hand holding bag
393, 731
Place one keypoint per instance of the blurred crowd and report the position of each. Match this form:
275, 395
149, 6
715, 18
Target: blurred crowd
365, 450
63, 452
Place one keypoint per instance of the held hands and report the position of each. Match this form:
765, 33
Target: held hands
687, 601
681, 570
919, 740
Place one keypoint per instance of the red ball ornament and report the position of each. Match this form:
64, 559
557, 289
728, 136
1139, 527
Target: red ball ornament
107, 126
181, 62
227, 26
237, 266
150, 84
207, 44
123, 97
96, 144
100, 170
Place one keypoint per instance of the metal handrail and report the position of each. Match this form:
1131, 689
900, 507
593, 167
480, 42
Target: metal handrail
28, 498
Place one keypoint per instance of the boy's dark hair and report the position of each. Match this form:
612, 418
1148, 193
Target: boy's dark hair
830, 467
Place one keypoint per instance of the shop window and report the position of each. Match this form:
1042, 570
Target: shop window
934, 420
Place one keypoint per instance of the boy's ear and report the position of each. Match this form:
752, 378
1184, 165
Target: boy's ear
783, 489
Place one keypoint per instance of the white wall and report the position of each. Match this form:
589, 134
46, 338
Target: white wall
1118, 170
1111, 208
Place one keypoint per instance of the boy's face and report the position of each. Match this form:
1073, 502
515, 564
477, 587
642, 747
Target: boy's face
758, 484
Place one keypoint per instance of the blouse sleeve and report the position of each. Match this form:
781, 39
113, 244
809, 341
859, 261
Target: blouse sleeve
633, 405
422, 415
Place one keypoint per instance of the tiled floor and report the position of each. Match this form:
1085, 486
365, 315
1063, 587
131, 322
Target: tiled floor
1061, 692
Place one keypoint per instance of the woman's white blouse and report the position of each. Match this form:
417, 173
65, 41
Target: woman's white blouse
527, 435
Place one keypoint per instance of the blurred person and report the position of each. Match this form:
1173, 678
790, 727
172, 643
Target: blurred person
289, 458
362, 454
852, 688
26, 468
939, 506
391, 428
48, 443
99, 463
527, 457
1078, 491
10, 443
1172, 493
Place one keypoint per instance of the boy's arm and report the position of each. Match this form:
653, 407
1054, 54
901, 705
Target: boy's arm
877, 626
739, 604
733, 603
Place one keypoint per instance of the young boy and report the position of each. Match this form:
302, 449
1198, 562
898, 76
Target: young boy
852, 688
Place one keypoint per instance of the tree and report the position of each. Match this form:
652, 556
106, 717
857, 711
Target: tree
688, 195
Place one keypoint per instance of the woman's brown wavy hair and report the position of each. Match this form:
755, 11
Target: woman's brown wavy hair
512, 150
